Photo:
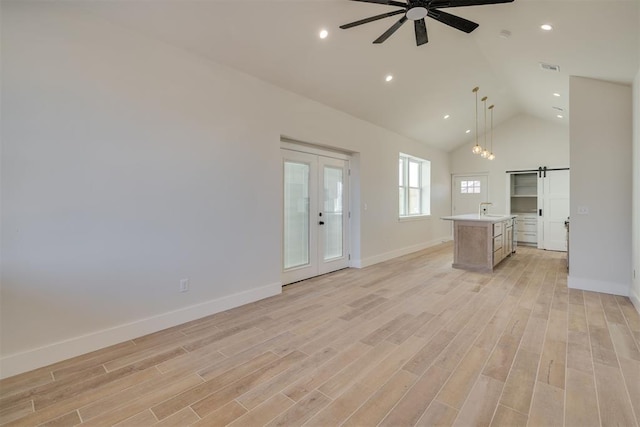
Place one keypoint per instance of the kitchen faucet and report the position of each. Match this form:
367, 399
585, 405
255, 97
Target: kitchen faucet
483, 210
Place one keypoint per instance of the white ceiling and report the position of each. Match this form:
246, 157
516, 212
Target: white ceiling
277, 41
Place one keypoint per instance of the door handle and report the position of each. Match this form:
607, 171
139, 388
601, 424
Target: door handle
320, 222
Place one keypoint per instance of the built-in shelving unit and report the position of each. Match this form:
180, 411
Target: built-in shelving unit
524, 204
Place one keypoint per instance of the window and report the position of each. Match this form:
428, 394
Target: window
470, 187
415, 186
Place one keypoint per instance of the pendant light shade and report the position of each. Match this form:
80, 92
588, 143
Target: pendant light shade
485, 150
491, 156
476, 148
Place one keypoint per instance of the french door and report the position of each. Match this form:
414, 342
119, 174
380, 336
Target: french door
315, 215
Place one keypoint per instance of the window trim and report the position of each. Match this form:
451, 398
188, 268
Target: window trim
425, 187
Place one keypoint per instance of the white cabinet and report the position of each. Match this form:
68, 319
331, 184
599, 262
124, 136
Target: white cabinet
527, 229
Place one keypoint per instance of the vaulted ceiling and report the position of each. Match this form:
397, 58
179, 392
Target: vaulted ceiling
277, 41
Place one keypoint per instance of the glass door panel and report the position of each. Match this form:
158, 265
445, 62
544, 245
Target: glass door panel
300, 207
296, 214
333, 212
334, 215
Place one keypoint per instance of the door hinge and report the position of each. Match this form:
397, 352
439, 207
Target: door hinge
349, 214
349, 257
349, 172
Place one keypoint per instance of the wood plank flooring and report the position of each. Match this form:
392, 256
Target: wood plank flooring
406, 342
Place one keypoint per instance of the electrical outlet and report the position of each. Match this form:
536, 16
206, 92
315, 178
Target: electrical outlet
184, 285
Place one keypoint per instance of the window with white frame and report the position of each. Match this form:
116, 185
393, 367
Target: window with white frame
415, 186
470, 187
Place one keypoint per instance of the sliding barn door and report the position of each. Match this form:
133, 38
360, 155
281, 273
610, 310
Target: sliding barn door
553, 201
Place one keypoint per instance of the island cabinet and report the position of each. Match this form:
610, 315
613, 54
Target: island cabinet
481, 241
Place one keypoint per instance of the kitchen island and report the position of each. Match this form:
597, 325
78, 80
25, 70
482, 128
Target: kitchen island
480, 242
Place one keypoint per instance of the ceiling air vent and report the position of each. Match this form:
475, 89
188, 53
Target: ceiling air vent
549, 67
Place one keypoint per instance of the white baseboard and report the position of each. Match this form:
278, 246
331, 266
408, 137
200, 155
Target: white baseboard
28, 360
398, 252
635, 299
598, 286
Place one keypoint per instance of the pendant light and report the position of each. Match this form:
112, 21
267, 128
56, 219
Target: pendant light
485, 152
476, 148
491, 156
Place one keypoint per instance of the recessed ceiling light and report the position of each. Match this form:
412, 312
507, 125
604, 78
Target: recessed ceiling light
446, 116
505, 34
467, 131
388, 78
324, 34
546, 27
556, 94
559, 116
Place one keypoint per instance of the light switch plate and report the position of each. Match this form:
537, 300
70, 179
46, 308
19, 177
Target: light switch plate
583, 210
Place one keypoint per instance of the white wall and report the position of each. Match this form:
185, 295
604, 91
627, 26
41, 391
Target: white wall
634, 292
521, 143
601, 180
128, 164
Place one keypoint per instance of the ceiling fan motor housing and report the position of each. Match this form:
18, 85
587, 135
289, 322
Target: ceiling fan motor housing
417, 10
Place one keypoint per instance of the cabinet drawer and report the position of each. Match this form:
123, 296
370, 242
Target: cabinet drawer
498, 256
527, 237
497, 243
497, 228
527, 226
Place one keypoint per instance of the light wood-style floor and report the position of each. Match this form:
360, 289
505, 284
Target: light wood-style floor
406, 342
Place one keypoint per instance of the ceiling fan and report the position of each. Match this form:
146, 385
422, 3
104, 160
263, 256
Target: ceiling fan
417, 10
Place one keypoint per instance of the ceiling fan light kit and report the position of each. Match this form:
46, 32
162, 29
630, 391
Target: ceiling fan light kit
417, 10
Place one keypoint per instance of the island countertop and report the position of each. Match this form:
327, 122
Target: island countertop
476, 217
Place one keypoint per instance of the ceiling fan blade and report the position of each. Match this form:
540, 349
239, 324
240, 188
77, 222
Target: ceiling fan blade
391, 30
371, 19
421, 32
439, 4
452, 20
387, 2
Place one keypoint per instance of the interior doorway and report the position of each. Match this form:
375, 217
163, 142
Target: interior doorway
315, 214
